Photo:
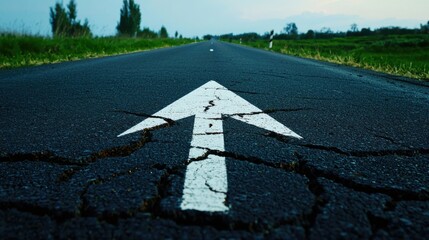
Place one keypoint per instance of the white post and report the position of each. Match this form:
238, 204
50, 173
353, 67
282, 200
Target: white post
271, 38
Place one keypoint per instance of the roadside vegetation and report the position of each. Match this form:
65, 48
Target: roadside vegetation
18, 50
73, 40
406, 55
393, 50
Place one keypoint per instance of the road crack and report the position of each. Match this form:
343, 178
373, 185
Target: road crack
212, 189
169, 121
377, 153
267, 111
43, 156
33, 209
211, 104
118, 151
246, 92
377, 223
410, 152
84, 208
301, 166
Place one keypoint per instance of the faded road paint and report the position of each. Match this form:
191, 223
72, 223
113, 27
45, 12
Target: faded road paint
206, 185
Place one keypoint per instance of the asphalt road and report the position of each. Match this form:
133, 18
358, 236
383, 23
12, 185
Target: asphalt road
360, 171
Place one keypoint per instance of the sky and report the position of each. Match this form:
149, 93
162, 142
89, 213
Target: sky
199, 17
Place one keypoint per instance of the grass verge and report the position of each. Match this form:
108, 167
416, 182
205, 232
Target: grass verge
18, 51
403, 55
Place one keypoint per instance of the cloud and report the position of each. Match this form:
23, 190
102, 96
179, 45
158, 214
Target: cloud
366, 9
198, 17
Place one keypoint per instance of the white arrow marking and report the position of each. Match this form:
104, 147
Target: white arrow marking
206, 180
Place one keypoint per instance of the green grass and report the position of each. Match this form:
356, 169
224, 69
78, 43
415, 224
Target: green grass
19, 50
404, 55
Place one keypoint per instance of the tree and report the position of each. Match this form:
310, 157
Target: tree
72, 14
124, 19
310, 34
354, 28
59, 20
291, 29
424, 28
365, 31
64, 21
130, 18
163, 32
246, 37
207, 37
176, 34
325, 32
147, 33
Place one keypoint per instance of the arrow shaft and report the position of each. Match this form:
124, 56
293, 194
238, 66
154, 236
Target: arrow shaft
206, 183
206, 180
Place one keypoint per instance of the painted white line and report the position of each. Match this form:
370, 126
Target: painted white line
206, 182
211, 49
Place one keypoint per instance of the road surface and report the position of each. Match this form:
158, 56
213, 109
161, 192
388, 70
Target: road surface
360, 170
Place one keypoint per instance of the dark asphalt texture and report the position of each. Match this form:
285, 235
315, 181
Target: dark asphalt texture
361, 170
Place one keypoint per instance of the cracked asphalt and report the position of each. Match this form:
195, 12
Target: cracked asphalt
361, 170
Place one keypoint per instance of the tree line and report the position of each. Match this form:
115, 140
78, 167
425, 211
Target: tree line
64, 23
290, 32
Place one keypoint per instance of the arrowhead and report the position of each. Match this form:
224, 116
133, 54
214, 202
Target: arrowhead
214, 99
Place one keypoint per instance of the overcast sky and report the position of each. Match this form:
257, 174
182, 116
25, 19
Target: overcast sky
200, 17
